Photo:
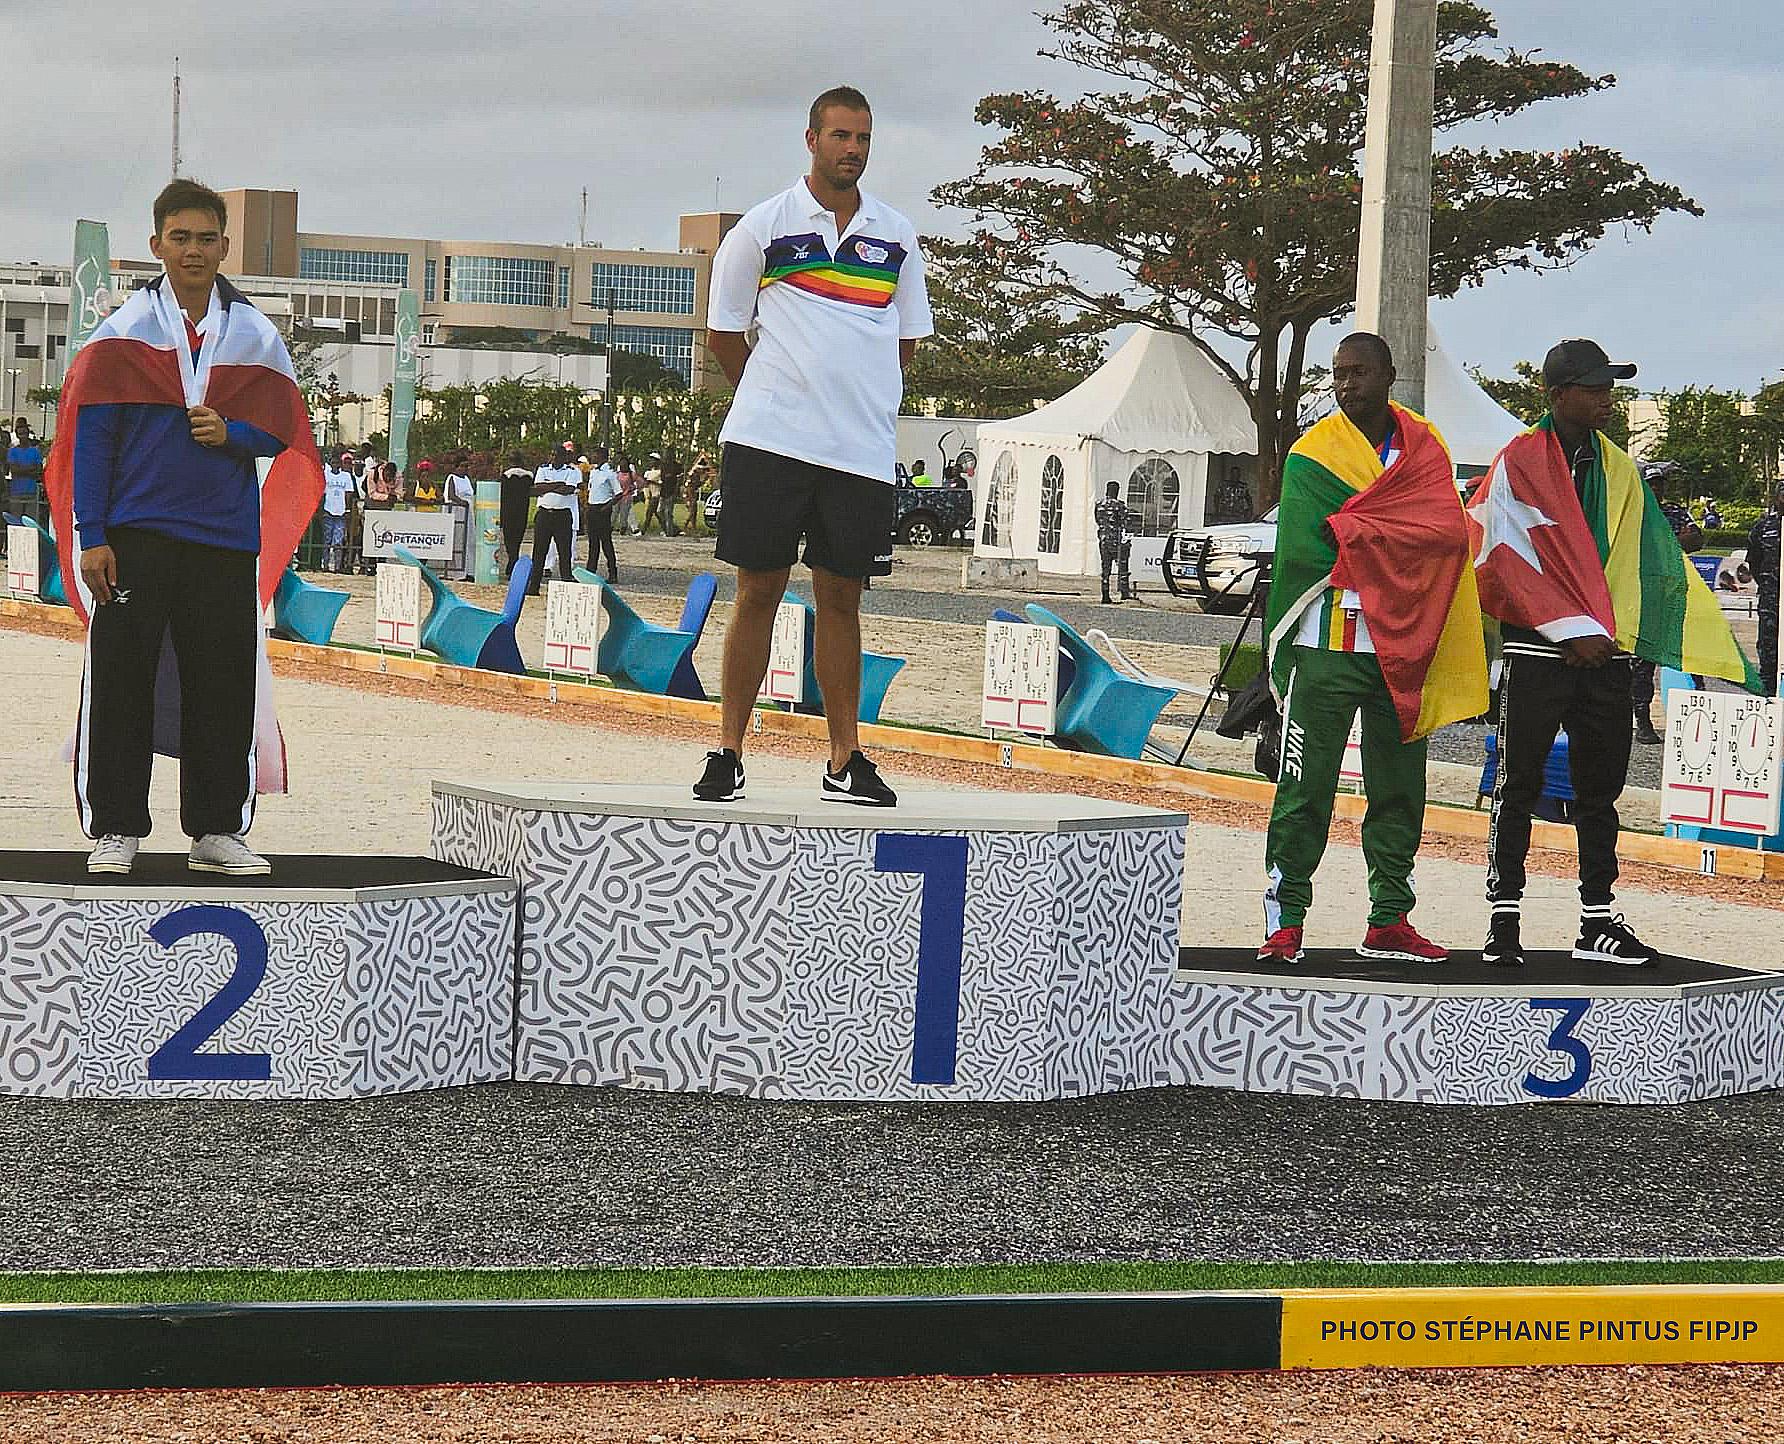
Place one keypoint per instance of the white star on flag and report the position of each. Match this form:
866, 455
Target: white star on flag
1505, 521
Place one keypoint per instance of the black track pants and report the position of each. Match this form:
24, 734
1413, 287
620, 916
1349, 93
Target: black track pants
1539, 695
203, 601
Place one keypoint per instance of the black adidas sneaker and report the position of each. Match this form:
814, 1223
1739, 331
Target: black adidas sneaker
723, 779
1606, 939
1505, 946
858, 782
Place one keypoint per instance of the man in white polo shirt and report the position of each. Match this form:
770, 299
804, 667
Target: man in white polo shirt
831, 282
554, 520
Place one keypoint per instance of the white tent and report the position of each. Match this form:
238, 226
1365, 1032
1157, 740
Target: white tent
1472, 422
1153, 417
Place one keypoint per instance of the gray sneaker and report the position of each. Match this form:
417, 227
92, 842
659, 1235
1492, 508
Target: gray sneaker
113, 853
224, 852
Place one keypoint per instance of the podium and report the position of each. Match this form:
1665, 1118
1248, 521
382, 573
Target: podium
964, 945
335, 977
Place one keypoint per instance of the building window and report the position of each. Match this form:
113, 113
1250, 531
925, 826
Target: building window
385, 268
563, 294
672, 345
1000, 500
1152, 496
498, 281
432, 290
1052, 505
665, 289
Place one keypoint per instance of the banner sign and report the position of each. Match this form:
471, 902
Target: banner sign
21, 562
1722, 767
428, 534
486, 523
574, 621
1021, 691
399, 606
785, 679
402, 390
90, 298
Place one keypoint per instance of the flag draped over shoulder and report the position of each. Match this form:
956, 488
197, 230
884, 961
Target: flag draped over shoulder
135, 356
1601, 560
1402, 546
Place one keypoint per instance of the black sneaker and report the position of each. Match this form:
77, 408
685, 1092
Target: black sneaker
1504, 947
723, 779
1607, 939
858, 782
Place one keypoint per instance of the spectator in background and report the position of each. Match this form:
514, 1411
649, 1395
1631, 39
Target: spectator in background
603, 492
1763, 546
24, 468
700, 479
628, 496
338, 492
554, 523
1113, 532
426, 496
920, 473
385, 489
517, 506
672, 486
956, 477
653, 494
461, 498
1712, 516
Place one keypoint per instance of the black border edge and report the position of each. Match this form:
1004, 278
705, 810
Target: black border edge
100, 1346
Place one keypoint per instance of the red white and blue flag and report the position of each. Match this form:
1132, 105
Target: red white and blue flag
139, 355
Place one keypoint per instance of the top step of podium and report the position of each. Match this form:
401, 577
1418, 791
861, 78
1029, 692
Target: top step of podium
961, 810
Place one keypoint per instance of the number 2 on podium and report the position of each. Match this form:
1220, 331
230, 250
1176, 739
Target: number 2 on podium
178, 1059
941, 863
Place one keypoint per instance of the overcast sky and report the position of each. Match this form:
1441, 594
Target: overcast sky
484, 120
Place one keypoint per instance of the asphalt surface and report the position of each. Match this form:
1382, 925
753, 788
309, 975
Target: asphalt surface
512, 1175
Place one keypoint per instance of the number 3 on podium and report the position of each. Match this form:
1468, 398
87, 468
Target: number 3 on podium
941, 864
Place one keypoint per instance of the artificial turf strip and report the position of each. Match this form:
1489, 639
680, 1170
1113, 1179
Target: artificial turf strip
278, 1286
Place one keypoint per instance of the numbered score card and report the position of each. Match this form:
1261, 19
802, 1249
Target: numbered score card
1021, 678
1722, 767
399, 607
784, 681
574, 621
21, 562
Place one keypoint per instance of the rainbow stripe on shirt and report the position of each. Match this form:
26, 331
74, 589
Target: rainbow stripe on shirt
864, 273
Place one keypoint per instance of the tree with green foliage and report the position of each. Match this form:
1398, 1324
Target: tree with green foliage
998, 349
1524, 395
1705, 431
503, 416
1216, 180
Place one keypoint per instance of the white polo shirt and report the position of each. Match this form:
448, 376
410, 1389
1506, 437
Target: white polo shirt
823, 382
559, 476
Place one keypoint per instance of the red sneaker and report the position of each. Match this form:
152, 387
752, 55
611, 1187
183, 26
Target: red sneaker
1282, 946
1401, 942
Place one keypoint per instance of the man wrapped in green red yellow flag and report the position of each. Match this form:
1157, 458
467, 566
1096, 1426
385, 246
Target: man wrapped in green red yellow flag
1579, 563
1372, 609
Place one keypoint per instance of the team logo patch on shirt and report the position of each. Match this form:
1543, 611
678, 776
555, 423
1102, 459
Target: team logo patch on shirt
866, 274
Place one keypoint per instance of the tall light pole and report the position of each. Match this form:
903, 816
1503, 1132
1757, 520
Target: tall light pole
1394, 259
607, 419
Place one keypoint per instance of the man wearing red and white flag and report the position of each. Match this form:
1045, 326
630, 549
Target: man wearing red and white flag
171, 546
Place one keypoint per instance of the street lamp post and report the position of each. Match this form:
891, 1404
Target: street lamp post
607, 418
12, 392
1394, 258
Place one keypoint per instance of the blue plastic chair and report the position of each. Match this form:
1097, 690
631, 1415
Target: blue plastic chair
305, 613
877, 672
49, 565
1102, 711
1553, 803
637, 655
469, 636
694, 611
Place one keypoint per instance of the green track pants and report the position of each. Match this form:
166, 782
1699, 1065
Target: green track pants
1325, 691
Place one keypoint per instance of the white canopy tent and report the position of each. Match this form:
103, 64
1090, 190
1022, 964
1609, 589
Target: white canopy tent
1150, 417
1165, 422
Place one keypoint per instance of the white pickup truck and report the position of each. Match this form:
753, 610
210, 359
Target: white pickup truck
1221, 566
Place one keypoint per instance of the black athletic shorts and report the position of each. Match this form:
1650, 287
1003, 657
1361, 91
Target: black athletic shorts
768, 502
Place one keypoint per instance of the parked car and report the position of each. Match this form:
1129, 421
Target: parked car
1221, 566
923, 515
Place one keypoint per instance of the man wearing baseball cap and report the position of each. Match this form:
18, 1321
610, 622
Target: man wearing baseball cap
1580, 565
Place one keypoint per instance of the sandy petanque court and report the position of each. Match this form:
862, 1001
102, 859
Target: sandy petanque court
364, 750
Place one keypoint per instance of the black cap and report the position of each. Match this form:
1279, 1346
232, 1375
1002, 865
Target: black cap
1582, 363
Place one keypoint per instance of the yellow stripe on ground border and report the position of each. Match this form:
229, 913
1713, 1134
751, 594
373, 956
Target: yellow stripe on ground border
1456, 823
1483, 1327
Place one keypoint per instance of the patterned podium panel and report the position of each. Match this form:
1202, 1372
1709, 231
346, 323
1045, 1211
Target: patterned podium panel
1580, 1034
162, 985
969, 946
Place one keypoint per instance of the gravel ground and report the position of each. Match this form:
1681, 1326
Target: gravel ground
511, 1175
1702, 1405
